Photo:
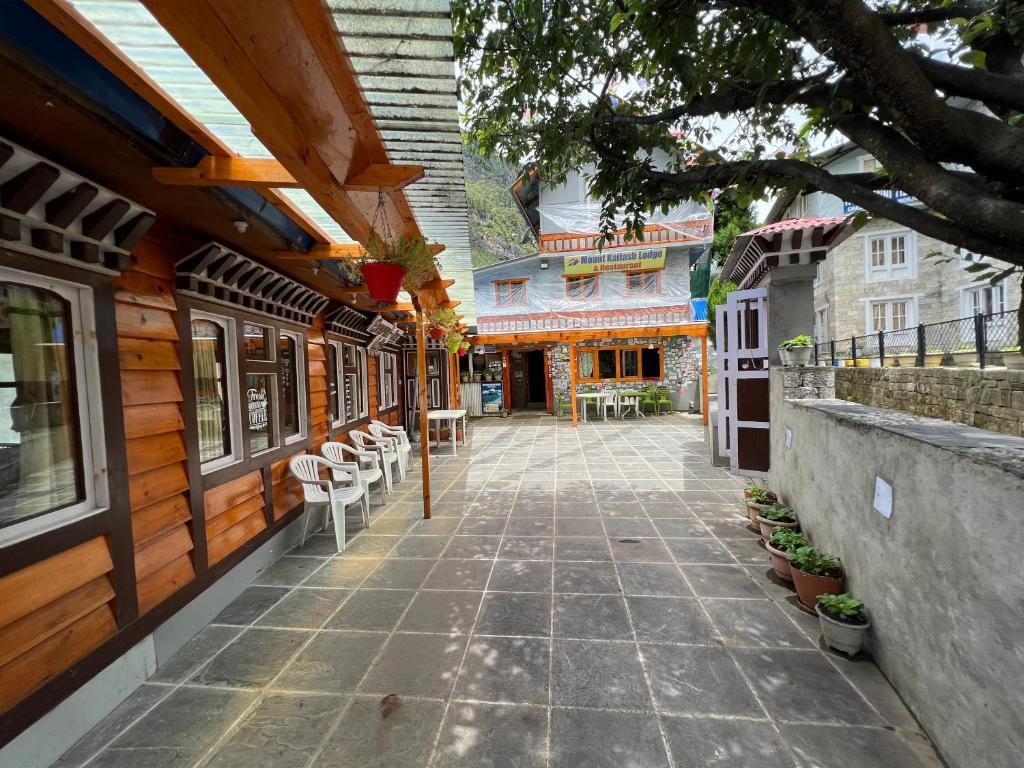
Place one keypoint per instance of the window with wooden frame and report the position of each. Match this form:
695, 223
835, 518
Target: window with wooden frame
582, 287
627, 363
387, 380
645, 282
510, 293
348, 383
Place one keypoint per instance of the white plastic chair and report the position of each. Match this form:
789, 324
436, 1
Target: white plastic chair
604, 402
385, 447
326, 493
369, 469
380, 429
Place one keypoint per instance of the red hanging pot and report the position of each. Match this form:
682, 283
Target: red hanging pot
383, 280
437, 332
462, 353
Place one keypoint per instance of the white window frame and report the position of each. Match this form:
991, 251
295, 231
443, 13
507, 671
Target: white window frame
234, 402
821, 328
905, 271
301, 380
966, 291
362, 394
865, 163
92, 440
912, 315
339, 378
384, 402
362, 371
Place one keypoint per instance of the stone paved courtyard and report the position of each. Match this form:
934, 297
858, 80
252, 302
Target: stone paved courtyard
585, 597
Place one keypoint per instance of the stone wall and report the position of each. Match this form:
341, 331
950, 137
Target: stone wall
991, 399
801, 383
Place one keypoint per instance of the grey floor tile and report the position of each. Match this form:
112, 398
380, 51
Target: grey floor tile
620, 527
145, 758
492, 736
682, 528
333, 662
446, 611
730, 527
525, 548
196, 652
520, 576
705, 551
283, 731
721, 581
253, 659
530, 526
698, 680
436, 526
190, 719
370, 545
288, 571
459, 574
399, 574
716, 743
605, 740
593, 673
589, 578
653, 579
803, 685
578, 526
374, 733
304, 608
342, 573
578, 548
416, 665
671, 620
674, 510
505, 669
838, 747
250, 605
747, 551
429, 547
513, 613
321, 545
482, 526
376, 610
632, 550
755, 623
394, 526
472, 547
573, 508
595, 617
126, 713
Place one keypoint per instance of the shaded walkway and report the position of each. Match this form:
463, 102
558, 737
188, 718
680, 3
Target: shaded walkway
583, 597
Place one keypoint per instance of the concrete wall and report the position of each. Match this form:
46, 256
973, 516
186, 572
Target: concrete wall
990, 399
942, 578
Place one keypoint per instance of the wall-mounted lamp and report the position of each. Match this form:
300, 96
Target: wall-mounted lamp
650, 346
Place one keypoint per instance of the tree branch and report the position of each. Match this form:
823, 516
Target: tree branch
988, 87
932, 15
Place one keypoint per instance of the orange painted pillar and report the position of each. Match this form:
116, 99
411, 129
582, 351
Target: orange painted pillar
704, 378
572, 382
421, 372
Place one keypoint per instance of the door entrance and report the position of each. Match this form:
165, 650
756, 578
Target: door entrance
529, 379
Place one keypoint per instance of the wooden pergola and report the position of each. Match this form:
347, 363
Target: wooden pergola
571, 338
282, 65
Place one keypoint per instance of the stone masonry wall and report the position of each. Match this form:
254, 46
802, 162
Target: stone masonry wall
991, 399
818, 383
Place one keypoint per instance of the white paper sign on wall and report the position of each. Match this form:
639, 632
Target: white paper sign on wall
789, 438
883, 498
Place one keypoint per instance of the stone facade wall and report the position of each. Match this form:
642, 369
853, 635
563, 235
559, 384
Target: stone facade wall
991, 399
682, 362
818, 383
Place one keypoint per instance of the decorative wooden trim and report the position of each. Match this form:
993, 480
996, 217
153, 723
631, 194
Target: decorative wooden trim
617, 348
349, 322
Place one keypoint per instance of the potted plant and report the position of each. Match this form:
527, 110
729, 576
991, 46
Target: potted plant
783, 541
776, 516
815, 573
389, 265
441, 323
758, 500
796, 351
843, 623
464, 377
452, 341
478, 377
463, 348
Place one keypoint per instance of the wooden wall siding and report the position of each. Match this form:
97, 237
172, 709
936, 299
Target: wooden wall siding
53, 613
154, 426
234, 514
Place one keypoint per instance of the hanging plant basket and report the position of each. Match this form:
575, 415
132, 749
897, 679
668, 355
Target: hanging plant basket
383, 280
437, 332
462, 352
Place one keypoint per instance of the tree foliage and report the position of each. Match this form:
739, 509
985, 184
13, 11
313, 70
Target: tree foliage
731, 221
734, 91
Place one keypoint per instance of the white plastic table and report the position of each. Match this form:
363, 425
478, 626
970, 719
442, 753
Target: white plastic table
598, 396
452, 417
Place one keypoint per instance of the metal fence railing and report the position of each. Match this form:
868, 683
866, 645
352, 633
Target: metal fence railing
981, 336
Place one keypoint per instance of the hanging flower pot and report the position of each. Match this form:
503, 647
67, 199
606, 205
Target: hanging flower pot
462, 352
383, 280
437, 332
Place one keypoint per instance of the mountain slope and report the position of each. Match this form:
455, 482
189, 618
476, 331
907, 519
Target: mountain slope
495, 226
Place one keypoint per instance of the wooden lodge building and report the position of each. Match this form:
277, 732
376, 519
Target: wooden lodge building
176, 318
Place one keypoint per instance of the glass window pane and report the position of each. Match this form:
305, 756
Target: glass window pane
40, 464
586, 363
606, 364
650, 363
255, 341
899, 315
878, 253
259, 396
290, 423
878, 317
332, 381
629, 364
210, 371
899, 251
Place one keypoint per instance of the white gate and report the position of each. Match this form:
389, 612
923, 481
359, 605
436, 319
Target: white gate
742, 340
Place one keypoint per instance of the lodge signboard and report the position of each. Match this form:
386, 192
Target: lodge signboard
614, 261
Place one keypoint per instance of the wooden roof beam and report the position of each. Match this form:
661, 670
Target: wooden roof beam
437, 285
229, 172
327, 252
389, 178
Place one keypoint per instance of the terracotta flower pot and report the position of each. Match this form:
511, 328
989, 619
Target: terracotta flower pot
780, 562
841, 635
768, 526
809, 586
436, 332
754, 511
383, 280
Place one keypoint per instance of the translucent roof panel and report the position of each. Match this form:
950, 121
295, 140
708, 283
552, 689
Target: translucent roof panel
402, 53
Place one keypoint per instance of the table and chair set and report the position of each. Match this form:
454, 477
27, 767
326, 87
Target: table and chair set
623, 402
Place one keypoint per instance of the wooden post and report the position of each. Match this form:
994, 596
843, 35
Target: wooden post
704, 378
421, 375
572, 381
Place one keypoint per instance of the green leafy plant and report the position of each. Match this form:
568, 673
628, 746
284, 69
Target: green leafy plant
442, 318
718, 294
779, 513
787, 540
797, 341
845, 608
412, 252
816, 563
452, 341
761, 496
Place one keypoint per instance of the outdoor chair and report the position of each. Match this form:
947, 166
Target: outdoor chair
630, 401
385, 447
380, 429
603, 403
561, 404
369, 469
648, 397
327, 493
663, 399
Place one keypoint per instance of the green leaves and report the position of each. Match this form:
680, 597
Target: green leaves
816, 563
787, 540
843, 607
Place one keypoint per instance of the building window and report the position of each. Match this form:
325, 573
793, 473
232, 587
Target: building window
634, 363
293, 394
350, 372
645, 283
821, 325
984, 300
50, 471
211, 338
259, 395
510, 293
387, 380
889, 257
581, 287
890, 315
